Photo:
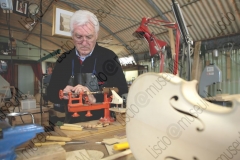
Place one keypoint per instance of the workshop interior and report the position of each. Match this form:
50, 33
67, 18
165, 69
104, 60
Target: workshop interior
181, 62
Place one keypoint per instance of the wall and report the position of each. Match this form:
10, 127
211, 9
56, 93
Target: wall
25, 51
231, 86
129, 75
228, 86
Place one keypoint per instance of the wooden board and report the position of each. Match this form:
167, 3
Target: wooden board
196, 70
172, 43
119, 110
51, 152
85, 133
223, 97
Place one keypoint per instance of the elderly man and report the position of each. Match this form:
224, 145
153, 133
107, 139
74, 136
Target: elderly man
47, 78
87, 67
46, 81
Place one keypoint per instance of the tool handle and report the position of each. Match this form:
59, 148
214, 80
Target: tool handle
72, 125
58, 138
71, 128
121, 146
48, 143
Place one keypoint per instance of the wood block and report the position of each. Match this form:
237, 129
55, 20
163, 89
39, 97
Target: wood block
120, 110
110, 141
120, 118
51, 152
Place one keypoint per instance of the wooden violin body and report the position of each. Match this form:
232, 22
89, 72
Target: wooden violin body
167, 119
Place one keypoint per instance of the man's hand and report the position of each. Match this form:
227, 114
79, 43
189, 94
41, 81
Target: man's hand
66, 90
79, 88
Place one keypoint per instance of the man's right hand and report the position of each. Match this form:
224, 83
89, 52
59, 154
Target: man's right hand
66, 90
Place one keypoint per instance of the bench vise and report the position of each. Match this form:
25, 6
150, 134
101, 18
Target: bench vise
11, 137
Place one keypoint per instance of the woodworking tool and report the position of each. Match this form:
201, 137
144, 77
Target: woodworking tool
121, 146
58, 138
60, 143
82, 104
11, 137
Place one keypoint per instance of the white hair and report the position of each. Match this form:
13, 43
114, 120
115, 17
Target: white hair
82, 17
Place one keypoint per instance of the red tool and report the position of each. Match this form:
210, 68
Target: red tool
80, 106
155, 45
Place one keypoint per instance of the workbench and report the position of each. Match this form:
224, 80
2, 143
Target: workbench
92, 136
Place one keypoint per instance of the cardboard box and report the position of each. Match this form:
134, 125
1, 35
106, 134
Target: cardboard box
28, 104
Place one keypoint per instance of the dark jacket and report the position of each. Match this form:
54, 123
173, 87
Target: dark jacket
108, 72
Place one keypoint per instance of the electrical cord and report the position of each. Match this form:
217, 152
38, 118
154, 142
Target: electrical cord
41, 86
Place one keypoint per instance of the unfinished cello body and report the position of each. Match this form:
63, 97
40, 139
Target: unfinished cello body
167, 119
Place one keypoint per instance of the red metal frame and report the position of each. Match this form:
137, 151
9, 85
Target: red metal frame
80, 106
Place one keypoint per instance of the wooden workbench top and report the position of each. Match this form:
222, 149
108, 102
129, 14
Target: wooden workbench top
93, 136
115, 126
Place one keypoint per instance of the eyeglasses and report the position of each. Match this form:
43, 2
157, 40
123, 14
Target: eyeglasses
80, 38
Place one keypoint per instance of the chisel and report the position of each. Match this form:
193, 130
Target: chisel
60, 143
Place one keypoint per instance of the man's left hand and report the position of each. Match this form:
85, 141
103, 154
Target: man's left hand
79, 88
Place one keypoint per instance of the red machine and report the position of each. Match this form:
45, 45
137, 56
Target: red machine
86, 106
155, 45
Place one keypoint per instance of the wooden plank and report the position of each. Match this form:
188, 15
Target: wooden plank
196, 70
223, 97
172, 42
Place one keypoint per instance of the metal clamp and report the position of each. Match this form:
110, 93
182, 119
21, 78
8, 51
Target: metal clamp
14, 114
